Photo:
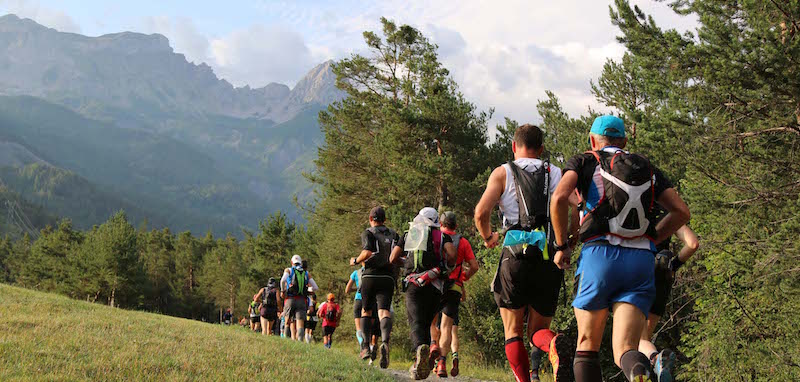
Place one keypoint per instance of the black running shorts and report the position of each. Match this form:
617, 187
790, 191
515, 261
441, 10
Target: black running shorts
377, 289
357, 307
255, 319
527, 280
310, 324
450, 302
328, 330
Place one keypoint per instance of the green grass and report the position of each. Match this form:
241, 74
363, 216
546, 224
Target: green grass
49, 337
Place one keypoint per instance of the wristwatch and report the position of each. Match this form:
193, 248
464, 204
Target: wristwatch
561, 247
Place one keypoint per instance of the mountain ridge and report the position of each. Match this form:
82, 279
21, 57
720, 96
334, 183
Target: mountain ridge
139, 70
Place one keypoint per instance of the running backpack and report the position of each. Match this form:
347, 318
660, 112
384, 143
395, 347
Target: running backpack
298, 282
418, 260
384, 242
533, 196
330, 313
627, 206
270, 298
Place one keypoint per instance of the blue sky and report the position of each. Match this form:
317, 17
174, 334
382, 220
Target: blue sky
504, 54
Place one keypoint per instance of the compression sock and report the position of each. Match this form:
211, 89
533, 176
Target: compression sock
518, 359
366, 328
635, 364
587, 367
386, 329
542, 338
536, 360
360, 336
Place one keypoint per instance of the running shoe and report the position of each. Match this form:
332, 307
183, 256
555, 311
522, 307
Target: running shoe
419, 369
434, 357
373, 352
441, 367
454, 370
365, 353
665, 362
384, 361
561, 355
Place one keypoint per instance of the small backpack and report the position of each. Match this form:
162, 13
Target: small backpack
419, 260
384, 243
627, 207
330, 313
533, 195
298, 282
270, 299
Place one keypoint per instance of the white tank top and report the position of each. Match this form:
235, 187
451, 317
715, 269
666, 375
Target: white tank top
508, 200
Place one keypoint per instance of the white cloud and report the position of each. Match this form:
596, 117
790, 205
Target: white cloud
49, 17
259, 55
183, 37
503, 54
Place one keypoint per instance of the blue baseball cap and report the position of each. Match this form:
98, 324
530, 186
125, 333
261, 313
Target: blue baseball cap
609, 126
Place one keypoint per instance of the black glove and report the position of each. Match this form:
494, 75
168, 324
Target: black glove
675, 263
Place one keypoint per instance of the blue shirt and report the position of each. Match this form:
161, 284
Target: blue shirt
357, 281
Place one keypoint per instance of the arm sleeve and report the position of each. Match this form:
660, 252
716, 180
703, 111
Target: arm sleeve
313, 284
284, 280
368, 241
555, 177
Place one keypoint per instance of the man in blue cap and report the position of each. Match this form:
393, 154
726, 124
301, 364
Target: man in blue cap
619, 231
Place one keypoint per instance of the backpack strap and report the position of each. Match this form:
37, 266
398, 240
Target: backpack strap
524, 216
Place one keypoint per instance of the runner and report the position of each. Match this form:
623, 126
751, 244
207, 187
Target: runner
330, 312
446, 334
616, 266
311, 316
227, 317
526, 282
255, 315
294, 290
354, 284
429, 254
270, 304
666, 265
377, 281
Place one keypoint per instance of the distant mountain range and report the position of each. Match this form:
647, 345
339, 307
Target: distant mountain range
120, 121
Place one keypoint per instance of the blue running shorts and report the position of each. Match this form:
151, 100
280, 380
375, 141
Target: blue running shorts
608, 273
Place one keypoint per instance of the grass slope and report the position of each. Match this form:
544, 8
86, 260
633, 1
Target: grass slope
49, 337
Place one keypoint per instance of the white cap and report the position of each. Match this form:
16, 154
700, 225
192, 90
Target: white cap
296, 260
430, 214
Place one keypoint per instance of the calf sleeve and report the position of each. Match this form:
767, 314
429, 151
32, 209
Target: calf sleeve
587, 367
542, 338
360, 336
386, 329
635, 364
366, 328
518, 359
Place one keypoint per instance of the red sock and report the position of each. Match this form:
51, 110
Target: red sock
518, 359
541, 339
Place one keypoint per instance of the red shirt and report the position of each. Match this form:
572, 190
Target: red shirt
323, 312
464, 255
